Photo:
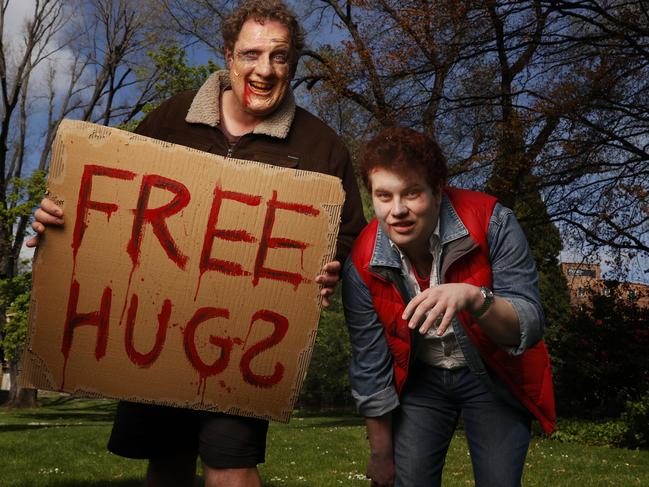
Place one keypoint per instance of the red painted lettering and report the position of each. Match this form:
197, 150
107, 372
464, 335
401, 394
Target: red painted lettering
281, 327
85, 203
146, 359
157, 216
189, 340
270, 242
212, 264
73, 320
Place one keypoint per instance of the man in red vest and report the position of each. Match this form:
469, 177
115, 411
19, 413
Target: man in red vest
445, 319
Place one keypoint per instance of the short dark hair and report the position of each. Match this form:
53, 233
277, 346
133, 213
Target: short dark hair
400, 148
261, 10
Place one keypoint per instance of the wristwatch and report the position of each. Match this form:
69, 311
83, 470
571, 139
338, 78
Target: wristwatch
488, 296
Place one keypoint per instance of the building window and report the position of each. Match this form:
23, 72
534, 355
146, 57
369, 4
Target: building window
607, 292
633, 296
581, 292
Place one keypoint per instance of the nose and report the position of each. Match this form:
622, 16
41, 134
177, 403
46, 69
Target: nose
399, 209
264, 66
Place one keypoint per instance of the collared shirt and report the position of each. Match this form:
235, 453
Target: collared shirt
441, 351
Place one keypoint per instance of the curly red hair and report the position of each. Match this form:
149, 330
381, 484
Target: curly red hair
399, 149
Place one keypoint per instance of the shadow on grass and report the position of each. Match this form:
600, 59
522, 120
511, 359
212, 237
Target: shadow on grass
339, 423
130, 482
7, 428
66, 409
134, 482
67, 417
326, 419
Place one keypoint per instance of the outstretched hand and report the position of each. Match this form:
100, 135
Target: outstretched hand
441, 303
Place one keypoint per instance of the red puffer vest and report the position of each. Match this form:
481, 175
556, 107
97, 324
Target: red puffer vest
528, 375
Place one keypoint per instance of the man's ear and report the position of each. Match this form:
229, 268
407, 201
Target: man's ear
228, 57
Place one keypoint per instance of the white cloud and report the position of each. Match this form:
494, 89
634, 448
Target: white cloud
19, 13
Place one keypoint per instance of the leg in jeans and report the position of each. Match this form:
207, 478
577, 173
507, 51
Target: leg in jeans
498, 436
424, 426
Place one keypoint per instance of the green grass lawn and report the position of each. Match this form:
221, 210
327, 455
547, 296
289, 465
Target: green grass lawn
63, 443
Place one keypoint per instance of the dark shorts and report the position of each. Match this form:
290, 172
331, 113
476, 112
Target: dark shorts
156, 432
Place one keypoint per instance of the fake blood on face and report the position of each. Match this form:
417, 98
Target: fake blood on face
247, 94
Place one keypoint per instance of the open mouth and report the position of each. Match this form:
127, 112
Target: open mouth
260, 87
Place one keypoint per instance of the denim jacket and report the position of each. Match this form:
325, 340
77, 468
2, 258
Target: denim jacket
514, 278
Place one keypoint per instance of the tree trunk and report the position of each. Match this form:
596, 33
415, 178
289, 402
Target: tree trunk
20, 397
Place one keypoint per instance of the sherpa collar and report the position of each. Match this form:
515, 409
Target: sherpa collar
205, 108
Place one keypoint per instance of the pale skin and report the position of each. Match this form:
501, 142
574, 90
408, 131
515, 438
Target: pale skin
260, 74
407, 208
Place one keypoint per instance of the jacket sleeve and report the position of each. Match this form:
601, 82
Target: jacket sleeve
370, 371
514, 275
352, 218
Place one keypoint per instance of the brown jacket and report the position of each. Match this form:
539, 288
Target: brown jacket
289, 137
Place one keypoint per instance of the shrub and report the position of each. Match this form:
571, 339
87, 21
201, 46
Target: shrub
600, 357
636, 419
609, 433
327, 381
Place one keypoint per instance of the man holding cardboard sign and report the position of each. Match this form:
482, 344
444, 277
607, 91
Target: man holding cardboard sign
247, 112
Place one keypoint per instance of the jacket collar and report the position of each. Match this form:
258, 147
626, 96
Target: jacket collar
205, 108
450, 228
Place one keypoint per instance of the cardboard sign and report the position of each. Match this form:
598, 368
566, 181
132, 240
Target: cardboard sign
180, 277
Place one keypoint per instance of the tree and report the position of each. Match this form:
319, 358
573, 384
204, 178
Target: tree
527, 101
173, 75
18, 61
58, 65
14, 297
197, 21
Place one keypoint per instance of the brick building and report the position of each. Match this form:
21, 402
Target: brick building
584, 278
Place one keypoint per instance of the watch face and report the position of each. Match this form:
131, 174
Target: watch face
487, 293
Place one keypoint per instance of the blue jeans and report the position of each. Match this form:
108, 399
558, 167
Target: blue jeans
433, 398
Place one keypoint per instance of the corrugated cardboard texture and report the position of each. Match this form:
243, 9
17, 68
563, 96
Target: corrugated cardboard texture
179, 277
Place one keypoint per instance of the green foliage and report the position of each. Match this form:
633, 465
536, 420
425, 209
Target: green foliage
366, 200
636, 419
631, 430
174, 76
22, 195
603, 357
327, 381
15, 330
609, 433
14, 297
